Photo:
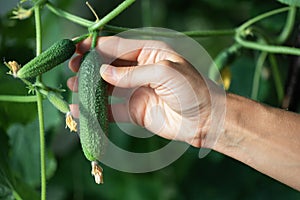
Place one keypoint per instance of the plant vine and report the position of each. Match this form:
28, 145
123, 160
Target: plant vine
239, 34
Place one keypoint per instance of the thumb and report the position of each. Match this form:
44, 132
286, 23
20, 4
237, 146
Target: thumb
129, 77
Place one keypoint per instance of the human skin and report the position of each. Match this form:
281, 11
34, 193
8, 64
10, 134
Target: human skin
265, 138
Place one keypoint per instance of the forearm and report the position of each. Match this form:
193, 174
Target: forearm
262, 137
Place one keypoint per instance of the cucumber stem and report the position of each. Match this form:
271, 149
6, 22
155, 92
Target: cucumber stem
39, 96
257, 74
81, 38
115, 12
267, 48
18, 99
279, 86
73, 18
94, 39
193, 34
116, 29
289, 25
261, 17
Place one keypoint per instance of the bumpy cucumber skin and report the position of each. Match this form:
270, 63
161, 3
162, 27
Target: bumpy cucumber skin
58, 102
56, 54
93, 100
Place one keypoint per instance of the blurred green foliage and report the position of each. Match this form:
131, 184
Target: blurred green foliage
68, 172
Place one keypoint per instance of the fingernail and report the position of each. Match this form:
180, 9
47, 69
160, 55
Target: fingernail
108, 73
105, 70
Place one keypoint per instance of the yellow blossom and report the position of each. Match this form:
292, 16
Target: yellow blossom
21, 13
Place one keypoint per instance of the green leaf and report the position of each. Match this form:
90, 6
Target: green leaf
290, 2
12, 112
25, 153
10, 187
5, 192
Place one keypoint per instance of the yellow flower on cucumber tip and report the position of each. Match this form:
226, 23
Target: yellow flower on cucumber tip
97, 172
21, 13
13, 66
70, 122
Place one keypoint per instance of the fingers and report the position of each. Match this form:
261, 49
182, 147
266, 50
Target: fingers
72, 84
119, 52
125, 52
119, 113
113, 47
83, 46
130, 77
74, 63
74, 110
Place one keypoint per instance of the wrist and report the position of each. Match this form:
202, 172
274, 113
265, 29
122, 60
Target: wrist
245, 121
213, 123
235, 126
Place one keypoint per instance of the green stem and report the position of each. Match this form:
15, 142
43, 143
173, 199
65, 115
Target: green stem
289, 25
208, 33
80, 38
26, 82
40, 104
16, 195
40, 3
19, 99
267, 48
257, 73
224, 58
94, 39
115, 12
277, 78
194, 34
262, 16
42, 144
116, 29
69, 16
146, 10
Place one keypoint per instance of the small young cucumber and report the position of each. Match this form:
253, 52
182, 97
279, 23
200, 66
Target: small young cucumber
93, 107
58, 102
53, 56
223, 59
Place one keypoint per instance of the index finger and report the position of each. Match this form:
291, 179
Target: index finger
113, 47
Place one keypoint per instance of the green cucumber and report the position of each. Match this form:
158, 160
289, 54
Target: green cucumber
58, 102
58, 53
223, 59
93, 107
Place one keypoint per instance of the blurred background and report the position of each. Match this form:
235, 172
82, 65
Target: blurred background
213, 177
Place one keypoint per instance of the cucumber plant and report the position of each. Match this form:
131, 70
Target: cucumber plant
56, 54
93, 94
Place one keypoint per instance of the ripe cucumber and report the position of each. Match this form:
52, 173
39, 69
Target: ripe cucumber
93, 101
53, 56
